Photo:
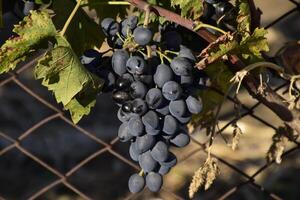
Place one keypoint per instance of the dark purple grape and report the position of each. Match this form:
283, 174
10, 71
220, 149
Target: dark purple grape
136, 183
178, 108
172, 90
110, 27
154, 98
126, 107
139, 106
121, 97
160, 151
123, 117
28, 6
136, 126
223, 8
123, 133
186, 53
162, 75
184, 119
171, 125
124, 82
128, 25
152, 131
146, 162
142, 35
208, 11
151, 119
154, 181
134, 155
186, 80
172, 40
138, 90
181, 66
163, 170
171, 161
194, 105
180, 140
119, 59
164, 110
136, 65
144, 143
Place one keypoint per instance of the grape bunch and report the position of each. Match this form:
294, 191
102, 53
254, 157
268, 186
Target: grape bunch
156, 94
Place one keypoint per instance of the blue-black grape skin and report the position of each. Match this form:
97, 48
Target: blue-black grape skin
164, 110
28, 6
123, 133
194, 105
142, 35
172, 90
110, 27
138, 89
184, 119
172, 39
152, 131
147, 162
171, 125
134, 155
121, 97
180, 140
154, 181
186, 53
136, 183
128, 25
181, 66
151, 119
123, 117
139, 106
171, 161
178, 108
144, 143
160, 151
119, 59
212, 1
162, 75
136, 65
163, 170
154, 98
136, 126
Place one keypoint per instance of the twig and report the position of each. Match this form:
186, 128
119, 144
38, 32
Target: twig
70, 18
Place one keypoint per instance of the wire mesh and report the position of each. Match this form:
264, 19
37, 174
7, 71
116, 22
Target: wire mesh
108, 147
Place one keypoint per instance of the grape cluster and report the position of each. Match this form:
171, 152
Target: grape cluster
155, 95
221, 13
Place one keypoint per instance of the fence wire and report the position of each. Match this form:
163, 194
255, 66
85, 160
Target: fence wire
108, 147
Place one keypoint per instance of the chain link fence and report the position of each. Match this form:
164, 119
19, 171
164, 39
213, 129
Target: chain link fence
111, 147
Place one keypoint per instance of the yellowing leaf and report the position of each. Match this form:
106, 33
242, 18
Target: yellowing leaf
71, 83
34, 29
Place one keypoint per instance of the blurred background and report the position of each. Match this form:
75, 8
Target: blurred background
38, 146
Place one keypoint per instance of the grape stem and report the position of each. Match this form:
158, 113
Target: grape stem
70, 18
203, 25
141, 173
161, 54
146, 22
172, 52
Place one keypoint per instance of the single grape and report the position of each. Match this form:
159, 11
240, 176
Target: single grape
181, 66
146, 162
186, 53
194, 105
186, 80
121, 97
123, 133
110, 27
136, 126
134, 155
162, 75
171, 125
172, 90
139, 106
184, 119
180, 140
178, 108
123, 117
151, 119
126, 107
136, 65
144, 143
160, 151
208, 11
136, 183
119, 59
223, 8
154, 98
129, 24
138, 90
142, 35
154, 181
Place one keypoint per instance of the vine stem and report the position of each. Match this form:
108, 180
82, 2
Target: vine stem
110, 3
146, 22
203, 25
70, 18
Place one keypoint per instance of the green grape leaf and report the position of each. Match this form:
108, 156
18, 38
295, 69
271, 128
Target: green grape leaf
83, 33
31, 32
71, 83
243, 18
189, 8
